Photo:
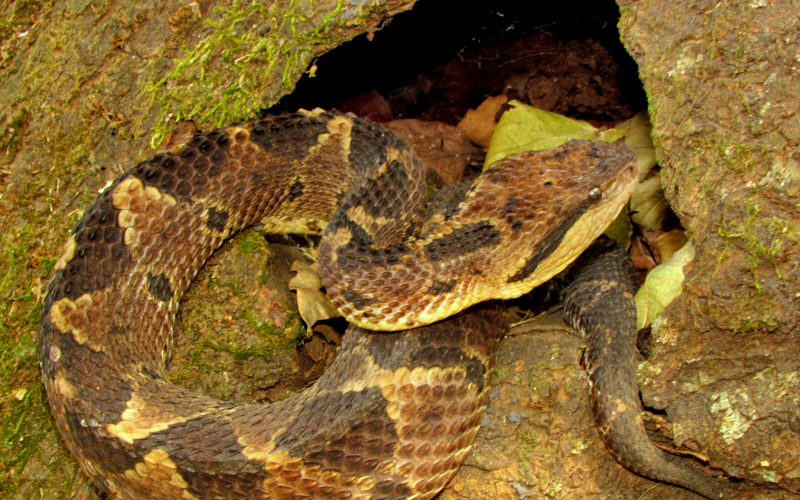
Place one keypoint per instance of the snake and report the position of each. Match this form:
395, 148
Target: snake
396, 413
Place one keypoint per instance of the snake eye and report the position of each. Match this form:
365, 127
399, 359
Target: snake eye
595, 195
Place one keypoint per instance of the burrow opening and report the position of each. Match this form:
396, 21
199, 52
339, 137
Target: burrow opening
442, 58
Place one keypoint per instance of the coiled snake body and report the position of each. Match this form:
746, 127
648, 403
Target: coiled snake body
396, 413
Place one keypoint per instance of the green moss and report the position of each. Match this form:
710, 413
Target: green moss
762, 237
22, 428
24, 418
233, 88
736, 157
11, 133
250, 242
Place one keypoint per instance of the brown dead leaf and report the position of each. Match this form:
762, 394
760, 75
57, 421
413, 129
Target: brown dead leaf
370, 105
478, 124
445, 150
670, 242
313, 357
307, 276
330, 333
312, 304
316, 347
642, 256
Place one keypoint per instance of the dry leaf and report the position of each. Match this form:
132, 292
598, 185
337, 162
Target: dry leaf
307, 276
312, 304
662, 286
443, 149
370, 105
669, 243
478, 124
643, 259
313, 357
330, 333
649, 207
316, 348
637, 132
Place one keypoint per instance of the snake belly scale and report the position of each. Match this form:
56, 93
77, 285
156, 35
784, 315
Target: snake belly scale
396, 413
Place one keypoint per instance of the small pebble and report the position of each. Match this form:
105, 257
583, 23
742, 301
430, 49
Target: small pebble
515, 418
486, 421
522, 491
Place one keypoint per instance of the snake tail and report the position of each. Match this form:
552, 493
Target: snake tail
606, 282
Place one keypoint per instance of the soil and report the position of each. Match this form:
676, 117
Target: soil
721, 381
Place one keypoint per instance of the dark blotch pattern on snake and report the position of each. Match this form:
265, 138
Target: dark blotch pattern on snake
396, 414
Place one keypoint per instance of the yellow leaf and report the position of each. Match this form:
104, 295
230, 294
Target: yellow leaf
662, 286
670, 242
637, 131
621, 229
649, 207
525, 128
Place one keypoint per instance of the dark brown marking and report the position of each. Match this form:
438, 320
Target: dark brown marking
187, 171
509, 206
440, 287
159, 287
358, 300
257, 180
368, 146
217, 219
354, 446
98, 249
289, 136
442, 344
549, 244
498, 178
147, 372
295, 190
190, 443
468, 238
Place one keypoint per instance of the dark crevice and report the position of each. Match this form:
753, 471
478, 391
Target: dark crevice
415, 58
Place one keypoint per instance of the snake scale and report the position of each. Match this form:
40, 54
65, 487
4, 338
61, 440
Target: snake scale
396, 413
